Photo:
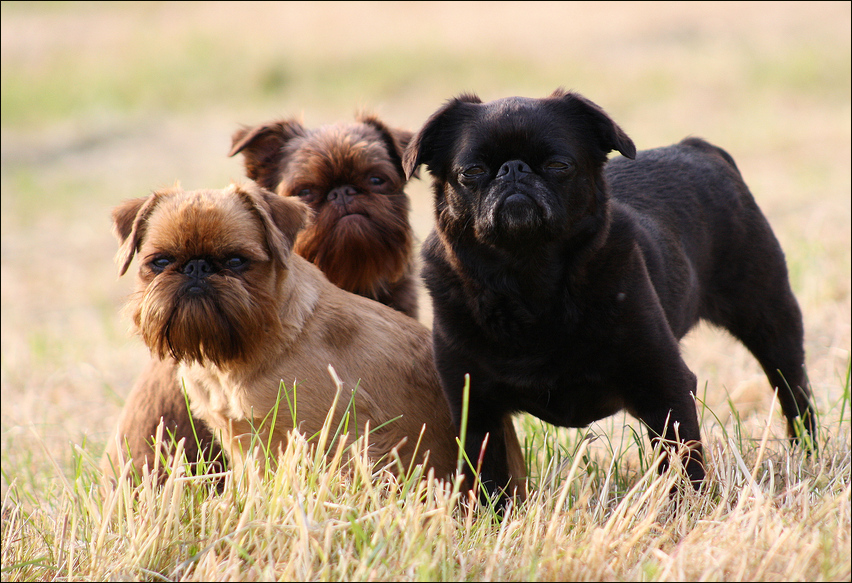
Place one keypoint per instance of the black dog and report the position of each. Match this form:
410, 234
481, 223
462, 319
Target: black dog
562, 284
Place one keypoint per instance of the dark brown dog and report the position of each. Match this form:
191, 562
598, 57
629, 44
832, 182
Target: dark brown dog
220, 292
562, 284
351, 175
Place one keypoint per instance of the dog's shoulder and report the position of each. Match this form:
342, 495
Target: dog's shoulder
439, 276
616, 258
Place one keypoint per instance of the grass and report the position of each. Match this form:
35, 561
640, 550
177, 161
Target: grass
336, 517
107, 101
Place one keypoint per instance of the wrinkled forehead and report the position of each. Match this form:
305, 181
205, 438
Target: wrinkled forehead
203, 223
342, 145
517, 128
337, 154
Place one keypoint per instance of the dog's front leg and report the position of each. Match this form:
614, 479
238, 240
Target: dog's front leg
484, 437
485, 448
667, 408
484, 444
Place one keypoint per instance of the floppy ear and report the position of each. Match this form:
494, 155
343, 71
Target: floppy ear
129, 227
436, 137
612, 137
395, 139
282, 216
263, 149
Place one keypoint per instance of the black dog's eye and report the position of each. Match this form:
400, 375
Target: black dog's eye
559, 165
304, 192
377, 180
158, 264
473, 171
236, 262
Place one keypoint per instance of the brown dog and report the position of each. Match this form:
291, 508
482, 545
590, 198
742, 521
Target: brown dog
351, 176
157, 398
220, 292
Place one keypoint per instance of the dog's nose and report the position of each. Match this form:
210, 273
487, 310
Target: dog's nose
342, 194
514, 169
198, 268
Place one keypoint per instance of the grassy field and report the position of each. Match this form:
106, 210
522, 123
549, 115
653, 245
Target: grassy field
107, 101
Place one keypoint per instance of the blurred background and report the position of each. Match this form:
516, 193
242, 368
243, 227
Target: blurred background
106, 101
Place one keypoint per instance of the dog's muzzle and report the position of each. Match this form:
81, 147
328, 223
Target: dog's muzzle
197, 271
514, 179
515, 207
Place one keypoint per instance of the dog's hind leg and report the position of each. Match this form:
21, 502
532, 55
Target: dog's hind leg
773, 333
757, 306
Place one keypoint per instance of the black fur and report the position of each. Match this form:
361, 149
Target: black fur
562, 283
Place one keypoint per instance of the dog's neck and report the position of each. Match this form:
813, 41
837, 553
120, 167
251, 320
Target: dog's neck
510, 290
531, 269
298, 298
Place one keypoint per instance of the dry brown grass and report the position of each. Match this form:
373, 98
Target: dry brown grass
106, 102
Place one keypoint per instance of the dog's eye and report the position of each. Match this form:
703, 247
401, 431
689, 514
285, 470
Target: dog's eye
158, 264
559, 165
473, 171
306, 194
236, 262
377, 180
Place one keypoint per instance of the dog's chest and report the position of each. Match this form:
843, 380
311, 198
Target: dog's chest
577, 397
216, 396
571, 387
562, 367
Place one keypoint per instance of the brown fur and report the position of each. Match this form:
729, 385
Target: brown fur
240, 328
140, 426
364, 246
351, 176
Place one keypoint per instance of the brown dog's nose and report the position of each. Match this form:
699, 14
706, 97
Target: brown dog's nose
198, 268
342, 194
514, 169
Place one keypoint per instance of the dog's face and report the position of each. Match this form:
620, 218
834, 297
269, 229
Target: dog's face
516, 172
211, 263
351, 176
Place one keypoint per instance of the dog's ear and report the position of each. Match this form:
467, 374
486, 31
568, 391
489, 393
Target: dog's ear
436, 137
282, 216
263, 147
611, 135
129, 220
395, 139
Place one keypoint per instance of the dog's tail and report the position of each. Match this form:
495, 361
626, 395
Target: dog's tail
708, 147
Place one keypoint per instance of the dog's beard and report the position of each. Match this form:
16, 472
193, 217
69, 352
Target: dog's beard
519, 215
360, 253
516, 217
226, 322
